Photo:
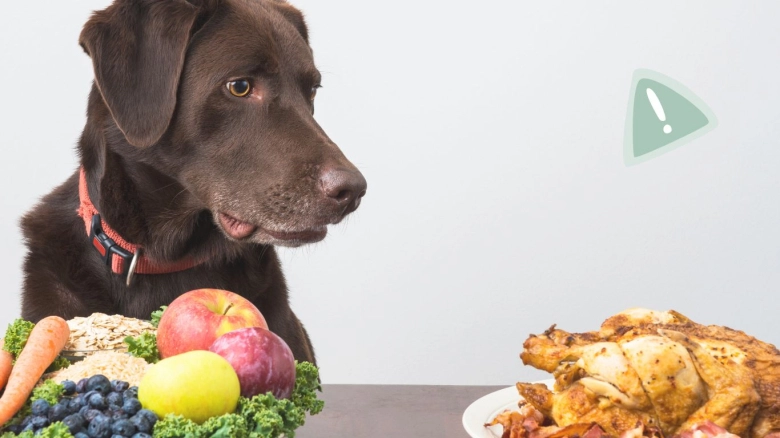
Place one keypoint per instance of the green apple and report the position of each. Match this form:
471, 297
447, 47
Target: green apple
197, 384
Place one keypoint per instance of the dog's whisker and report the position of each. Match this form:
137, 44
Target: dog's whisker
176, 196
164, 187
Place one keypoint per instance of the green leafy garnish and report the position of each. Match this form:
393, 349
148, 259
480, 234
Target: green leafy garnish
176, 426
16, 336
157, 314
59, 363
225, 426
27, 434
307, 384
50, 391
58, 429
144, 346
269, 417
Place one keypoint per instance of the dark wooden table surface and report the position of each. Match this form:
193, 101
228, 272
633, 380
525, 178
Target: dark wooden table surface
392, 411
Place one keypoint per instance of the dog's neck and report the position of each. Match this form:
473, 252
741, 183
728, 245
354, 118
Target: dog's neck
142, 204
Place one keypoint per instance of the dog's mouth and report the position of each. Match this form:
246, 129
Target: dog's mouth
240, 230
235, 228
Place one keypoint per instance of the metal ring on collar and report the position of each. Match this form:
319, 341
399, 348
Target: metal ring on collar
133, 264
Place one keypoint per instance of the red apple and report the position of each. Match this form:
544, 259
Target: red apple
195, 319
261, 359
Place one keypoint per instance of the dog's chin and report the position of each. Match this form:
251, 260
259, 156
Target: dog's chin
290, 239
240, 231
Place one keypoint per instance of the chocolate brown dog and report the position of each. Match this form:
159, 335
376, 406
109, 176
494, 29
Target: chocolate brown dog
200, 153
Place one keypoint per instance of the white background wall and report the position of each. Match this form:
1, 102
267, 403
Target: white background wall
491, 136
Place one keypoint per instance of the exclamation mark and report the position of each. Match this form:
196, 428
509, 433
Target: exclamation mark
659, 110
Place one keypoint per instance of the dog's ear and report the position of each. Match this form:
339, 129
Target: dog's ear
137, 49
295, 17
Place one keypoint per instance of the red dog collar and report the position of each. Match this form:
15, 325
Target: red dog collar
124, 257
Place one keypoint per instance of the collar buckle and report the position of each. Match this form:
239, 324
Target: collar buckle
106, 246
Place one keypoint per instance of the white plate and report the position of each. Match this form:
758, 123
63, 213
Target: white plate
486, 408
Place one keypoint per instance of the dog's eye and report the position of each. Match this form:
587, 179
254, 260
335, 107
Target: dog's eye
239, 88
314, 92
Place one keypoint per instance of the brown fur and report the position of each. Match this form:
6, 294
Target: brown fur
166, 148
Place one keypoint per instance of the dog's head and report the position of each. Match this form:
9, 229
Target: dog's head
219, 95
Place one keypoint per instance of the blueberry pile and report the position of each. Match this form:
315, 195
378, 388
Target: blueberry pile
93, 408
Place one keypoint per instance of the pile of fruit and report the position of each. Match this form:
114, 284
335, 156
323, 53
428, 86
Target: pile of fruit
248, 384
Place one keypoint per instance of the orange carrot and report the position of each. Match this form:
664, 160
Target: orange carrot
6, 364
46, 340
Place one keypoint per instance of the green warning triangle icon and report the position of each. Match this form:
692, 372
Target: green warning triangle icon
662, 115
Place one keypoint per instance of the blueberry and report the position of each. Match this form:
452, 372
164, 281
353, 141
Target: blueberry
131, 392
123, 427
119, 385
75, 422
28, 428
74, 405
99, 427
80, 435
81, 386
89, 394
70, 387
119, 415
141, 423
115, 398
97, 401
91, 414
131, 406
40, 407
39, 421
139, 435
150, 416
57, 412
100, 383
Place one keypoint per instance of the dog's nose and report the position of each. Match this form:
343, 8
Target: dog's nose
343, 186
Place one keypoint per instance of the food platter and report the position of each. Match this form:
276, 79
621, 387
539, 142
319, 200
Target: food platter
487, 407
108, 375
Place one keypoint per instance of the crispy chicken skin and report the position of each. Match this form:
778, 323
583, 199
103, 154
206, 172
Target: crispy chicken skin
659, 368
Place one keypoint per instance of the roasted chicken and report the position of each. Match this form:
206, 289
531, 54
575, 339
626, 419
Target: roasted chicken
659, 369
